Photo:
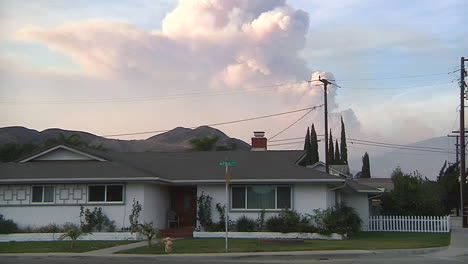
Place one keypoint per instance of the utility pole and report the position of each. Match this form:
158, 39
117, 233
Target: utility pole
327, 161
456, 146
462, 135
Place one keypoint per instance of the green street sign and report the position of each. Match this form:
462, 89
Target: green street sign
227, 163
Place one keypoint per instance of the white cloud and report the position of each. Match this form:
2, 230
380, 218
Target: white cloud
221, 44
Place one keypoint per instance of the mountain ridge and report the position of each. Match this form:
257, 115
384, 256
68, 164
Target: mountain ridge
427, 163
176, 139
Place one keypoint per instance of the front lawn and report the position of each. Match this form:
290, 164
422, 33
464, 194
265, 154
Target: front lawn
364, 240
57, 246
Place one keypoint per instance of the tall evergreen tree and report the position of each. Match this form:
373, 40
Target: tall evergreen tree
344, 148
314, 146
365, 172
307, 148
337, 154
449, 186
331, 150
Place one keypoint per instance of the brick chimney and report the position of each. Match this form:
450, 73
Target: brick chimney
259, 141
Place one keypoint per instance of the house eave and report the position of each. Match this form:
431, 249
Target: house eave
240, 181
166, 181
34, 156
80, 180
366, 191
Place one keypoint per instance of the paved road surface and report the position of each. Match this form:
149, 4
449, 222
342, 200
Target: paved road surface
380, 259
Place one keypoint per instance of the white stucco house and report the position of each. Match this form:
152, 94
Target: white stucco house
51, 185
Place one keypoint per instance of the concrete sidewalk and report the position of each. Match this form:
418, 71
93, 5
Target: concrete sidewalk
112, 250
458, 244
109, 253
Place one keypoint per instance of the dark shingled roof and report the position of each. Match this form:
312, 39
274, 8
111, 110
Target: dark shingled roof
385, 183
171, 167
358, 187
66, 170
251, 165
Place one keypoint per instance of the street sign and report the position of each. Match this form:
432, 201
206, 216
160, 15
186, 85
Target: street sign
228, 163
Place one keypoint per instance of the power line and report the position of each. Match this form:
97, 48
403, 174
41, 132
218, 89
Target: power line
287, 139
398, 88
368, 141
398, 152
403, 148
391, 144
289, 143
379, 144
162, 97
300, 118
398, 77
216, 124
204, 93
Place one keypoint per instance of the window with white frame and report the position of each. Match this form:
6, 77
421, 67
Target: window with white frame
260, 197
105, 193
43, 194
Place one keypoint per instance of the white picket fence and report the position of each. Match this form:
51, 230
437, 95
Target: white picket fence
428, 224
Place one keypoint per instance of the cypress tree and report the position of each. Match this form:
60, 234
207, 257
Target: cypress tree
314, 146
307, 148
344, 148
365, 172
337, 153
331, 150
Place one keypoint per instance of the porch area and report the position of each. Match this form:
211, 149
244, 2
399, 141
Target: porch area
182, 216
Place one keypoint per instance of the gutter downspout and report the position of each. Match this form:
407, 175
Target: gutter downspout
339, 187
376, 196
336, 188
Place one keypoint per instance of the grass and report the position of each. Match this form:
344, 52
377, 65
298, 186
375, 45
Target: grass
364, 241
57, 246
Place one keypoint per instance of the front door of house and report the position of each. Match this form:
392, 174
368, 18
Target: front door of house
184, 204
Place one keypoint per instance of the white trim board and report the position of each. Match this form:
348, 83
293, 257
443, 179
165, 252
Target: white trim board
74, 151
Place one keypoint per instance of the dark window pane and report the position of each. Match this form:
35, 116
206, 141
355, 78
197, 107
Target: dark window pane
48, 194
37, 194
261, 197
238, 197
96, 193
114, 193
284, 197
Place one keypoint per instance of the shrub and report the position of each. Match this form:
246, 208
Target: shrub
148, 231
221, 225
50, 228
73, 232
289, 221
341, 219
245, 224
7, 226
133, 217
95, 220
204, 211
261, 221
273, 224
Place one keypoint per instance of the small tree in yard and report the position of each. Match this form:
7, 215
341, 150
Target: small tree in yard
204, 211
73, 232
133, 217
413, 195
148, 231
